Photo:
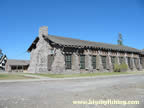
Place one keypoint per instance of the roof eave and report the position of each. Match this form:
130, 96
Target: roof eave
32, 45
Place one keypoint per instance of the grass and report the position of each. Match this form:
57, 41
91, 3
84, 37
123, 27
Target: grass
82, 74
10, 76
15, 76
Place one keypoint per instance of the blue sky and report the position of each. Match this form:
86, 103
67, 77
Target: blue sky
94, 20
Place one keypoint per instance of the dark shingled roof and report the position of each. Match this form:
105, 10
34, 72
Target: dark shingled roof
17, 62
33, 44
89, 44
70, 42
142, 52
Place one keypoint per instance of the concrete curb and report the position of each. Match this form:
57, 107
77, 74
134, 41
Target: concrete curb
25, 80
34, 76
74, 78
98, 77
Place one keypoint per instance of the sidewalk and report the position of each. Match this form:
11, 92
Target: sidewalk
35, 76
40, 78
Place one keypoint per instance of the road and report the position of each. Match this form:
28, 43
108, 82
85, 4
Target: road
61, 93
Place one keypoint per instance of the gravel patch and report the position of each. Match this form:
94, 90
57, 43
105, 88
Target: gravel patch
61, 93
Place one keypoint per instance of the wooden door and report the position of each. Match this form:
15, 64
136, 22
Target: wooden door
50, 61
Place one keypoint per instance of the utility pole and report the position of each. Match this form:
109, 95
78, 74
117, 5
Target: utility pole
120, 39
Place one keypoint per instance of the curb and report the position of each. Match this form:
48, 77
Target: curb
74, 78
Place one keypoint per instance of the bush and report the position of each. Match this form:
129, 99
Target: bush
116, 68
120, 68
123, 67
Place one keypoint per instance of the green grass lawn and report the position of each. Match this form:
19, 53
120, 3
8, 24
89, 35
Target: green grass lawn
10, 76
82, 75
16, 76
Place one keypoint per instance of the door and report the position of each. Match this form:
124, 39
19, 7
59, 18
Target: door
50, 61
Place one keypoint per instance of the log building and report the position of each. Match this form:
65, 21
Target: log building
61, 55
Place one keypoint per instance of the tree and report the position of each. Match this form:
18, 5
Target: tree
1, 54
120, 39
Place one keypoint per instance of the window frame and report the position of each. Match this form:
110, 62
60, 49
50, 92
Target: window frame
135, 62
121, 60
93, 61
50, 61
104, 64
68, 61
129, 61
141, 60
82, 62
113, 60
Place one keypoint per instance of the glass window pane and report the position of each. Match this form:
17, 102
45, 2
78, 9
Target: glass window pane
68, 61
104, 61
82, 62
113, 60
94, 62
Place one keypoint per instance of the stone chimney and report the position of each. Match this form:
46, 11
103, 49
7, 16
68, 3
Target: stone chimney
43, 30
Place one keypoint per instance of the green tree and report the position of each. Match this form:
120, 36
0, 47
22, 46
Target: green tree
120, 39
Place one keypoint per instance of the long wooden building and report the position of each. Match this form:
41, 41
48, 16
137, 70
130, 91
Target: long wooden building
13, 65
61, 55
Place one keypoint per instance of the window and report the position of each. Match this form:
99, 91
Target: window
129, 61
136, 62
68, 61
13, 67
19, 67
104, 61
50, 61
94, 62
113, 60
141, 60
52, 51
121, 60
82, 62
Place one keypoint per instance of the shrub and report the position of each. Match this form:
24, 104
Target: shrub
120, 67
116, 68
123, 67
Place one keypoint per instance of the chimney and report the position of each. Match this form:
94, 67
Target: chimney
43, 30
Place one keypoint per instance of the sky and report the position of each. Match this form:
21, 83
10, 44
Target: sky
93, 20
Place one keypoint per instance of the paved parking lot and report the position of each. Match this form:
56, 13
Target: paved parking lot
61, 93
